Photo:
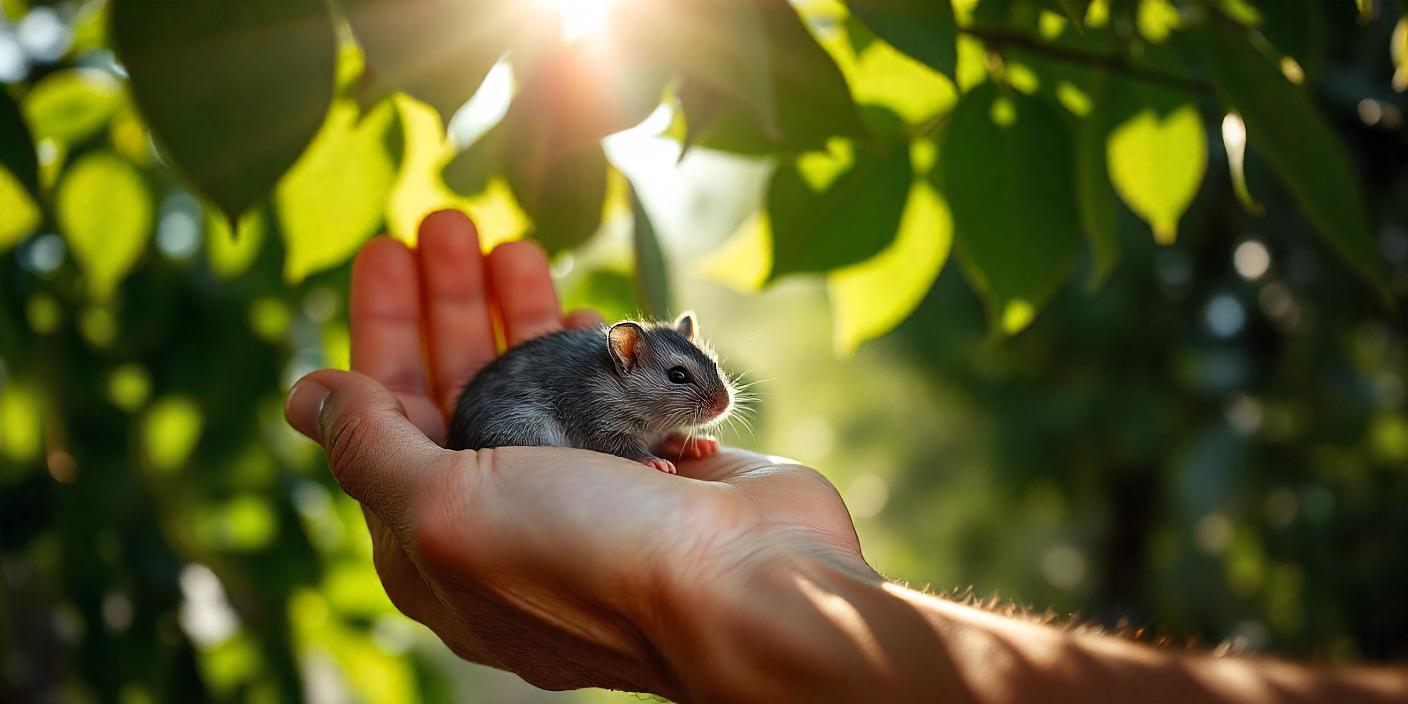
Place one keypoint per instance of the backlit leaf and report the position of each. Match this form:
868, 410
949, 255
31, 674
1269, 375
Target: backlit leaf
231, 253
332, 200
17, 147
436, 50
1285, 128
923, 29
233, 91
870, 298
722, 44
1007, 168
814, 102
105, 212
851, 219
1157, 156
71, 105
20, 215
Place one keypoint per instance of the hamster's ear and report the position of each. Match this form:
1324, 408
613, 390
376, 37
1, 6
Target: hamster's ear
625, 340
688, 325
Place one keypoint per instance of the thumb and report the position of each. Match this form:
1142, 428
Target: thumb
374, 451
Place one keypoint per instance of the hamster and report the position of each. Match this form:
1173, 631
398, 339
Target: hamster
626, 390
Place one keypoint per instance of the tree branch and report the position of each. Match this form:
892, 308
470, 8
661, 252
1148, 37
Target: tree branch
999, 39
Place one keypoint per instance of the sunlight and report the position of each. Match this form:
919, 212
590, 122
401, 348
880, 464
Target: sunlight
581, 18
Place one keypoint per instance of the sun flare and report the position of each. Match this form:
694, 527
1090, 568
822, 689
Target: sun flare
581, 18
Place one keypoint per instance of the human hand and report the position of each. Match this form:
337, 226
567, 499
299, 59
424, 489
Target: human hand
567, 567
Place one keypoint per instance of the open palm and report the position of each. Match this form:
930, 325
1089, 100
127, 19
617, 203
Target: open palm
559, 565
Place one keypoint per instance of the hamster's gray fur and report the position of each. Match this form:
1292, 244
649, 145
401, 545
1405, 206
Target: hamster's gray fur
617, 390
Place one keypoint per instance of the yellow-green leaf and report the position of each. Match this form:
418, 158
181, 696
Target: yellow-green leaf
870, 298
1398, 50
21, 215
71, 105
105, 211
1157, 160
231, 253
334, 198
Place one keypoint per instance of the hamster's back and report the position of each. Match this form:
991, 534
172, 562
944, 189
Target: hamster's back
519, 398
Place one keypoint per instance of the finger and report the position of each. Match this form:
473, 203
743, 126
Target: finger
376, 454
582, 318
460, 332
523, 290
384, 321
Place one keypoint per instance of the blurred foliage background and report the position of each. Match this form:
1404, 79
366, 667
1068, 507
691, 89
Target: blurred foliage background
1097, 305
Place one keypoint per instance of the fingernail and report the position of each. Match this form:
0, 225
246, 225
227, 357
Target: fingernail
305, 403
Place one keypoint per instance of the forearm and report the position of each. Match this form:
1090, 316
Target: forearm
814, 628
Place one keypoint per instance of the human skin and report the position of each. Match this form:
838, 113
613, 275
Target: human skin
739, 579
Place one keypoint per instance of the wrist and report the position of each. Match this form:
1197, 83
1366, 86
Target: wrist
788, 616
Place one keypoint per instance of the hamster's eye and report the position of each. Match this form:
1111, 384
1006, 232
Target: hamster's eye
679, 375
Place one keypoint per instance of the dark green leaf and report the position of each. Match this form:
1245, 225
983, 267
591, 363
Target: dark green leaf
17, 145
470, 170
1074, 10
1097, 200
564, 200
1007, 165
720, 43
233, 91
1286, 129
652, 275
438, 51
813, 101
1296, 27
924, 29
852, 219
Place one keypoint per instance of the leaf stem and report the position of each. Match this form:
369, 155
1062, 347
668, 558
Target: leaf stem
998, 40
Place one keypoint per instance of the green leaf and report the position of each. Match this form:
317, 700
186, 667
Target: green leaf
233, 91
1398, 51
652, 280
870, 298
72, 105
1097, 200
471, 169
20, 215
924, 29
850, 220
1007, 165
565, 200
1285, 128
438, 51
333, 199
105, 211
17, 145
231, 253
814, 102
722, 44
1157, 153
576, 95
1296, 27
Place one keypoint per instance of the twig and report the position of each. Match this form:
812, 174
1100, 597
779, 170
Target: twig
999, 39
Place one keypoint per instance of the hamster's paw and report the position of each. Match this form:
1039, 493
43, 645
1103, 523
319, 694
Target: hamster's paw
658, 464
695, 448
